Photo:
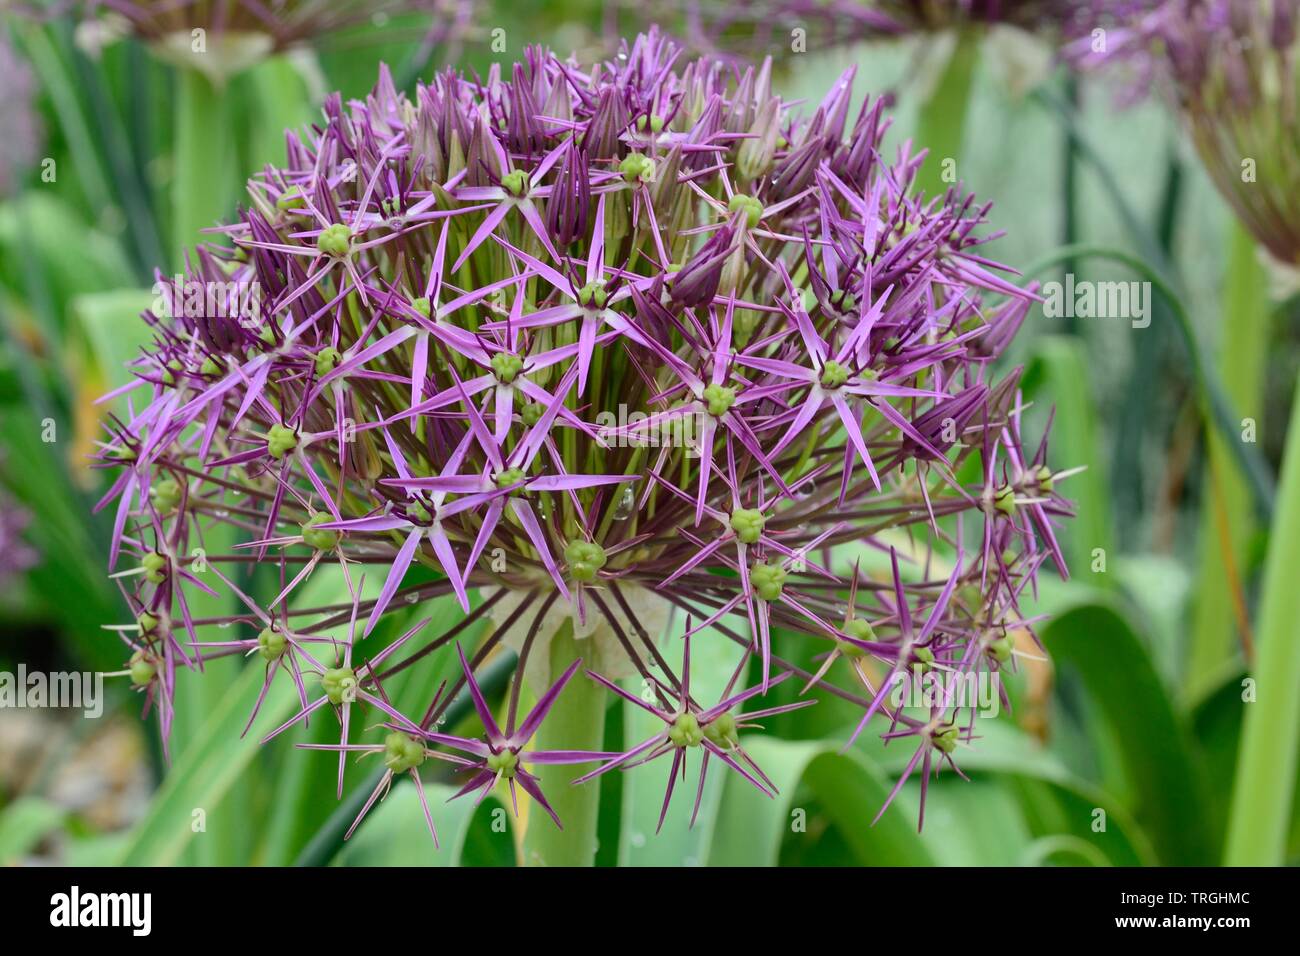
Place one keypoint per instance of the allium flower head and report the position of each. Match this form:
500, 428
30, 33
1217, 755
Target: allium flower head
602, 348
222, 37
847, 21
1231, 67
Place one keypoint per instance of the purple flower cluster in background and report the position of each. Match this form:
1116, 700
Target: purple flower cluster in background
1230, 66
599, 348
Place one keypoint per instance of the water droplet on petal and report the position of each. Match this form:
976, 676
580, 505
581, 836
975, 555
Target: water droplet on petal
626, 505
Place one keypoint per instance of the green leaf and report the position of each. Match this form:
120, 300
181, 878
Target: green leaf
1227, 522
398, 835
24, 823
1097, 642
848, 787
1270, 738
1059, 373
209, 767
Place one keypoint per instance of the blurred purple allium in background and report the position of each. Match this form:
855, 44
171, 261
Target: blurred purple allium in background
222, 37
16, 556
756, 24
20, 143
1231, 69
590, 351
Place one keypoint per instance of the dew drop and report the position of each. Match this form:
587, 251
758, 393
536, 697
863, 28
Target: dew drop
626, 505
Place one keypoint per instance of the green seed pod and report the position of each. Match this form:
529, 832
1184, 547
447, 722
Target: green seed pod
339, 684
748, 524
507, 367
585, 559
155, 567
833, 375
327, 360
316, 538
166, 495
335, 240
752, 208
945, 737
718, 399
402, 752
504, 763
685, 731
768, 580
280, 440
721, 731
143, 669
271, 644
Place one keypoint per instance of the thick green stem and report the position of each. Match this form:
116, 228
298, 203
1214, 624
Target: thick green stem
201, 193
1227, 519
1270, 735
941, 124
576, 722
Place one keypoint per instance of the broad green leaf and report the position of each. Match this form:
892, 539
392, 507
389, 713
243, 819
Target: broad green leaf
850, 789
1116, 671
399, 836
24, 823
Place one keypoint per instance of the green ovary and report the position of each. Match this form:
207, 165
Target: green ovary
637, 168
166, 495
155, 567
752, 208
718, 399
834, 375
143, 670
584, 558
504, 763
327, 360
402, 752
280, 441
945, 737
593, 296
515, 183
339, 684
507, 367
313, 537
768, 580
335, 240
748, 524
721, 731
685, 731
271, 644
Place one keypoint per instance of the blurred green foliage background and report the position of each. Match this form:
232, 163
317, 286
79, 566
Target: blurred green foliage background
1121, 751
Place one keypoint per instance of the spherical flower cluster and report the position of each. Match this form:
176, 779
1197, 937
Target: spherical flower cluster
614, 351
1231, 67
